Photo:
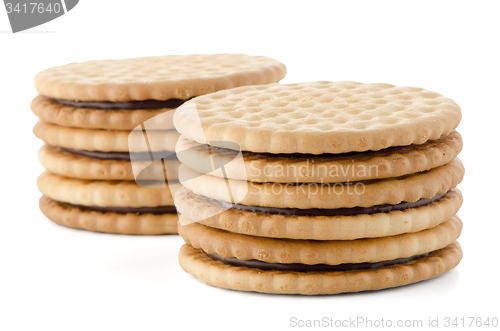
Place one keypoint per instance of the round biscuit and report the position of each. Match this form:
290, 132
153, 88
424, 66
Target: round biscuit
109, 222
266, 167
318, 117
104, 193
209, 213
105, 140
332, 252
90, 118
409, 188
218, 274
73, 165
156, 77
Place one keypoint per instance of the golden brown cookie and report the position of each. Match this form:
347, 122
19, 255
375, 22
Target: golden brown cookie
332, 252
330, 168
407, 188
263, 224
158, 77
68, 164
216, 273
108, 222
318, 117
104, 140
104, 193
50, 111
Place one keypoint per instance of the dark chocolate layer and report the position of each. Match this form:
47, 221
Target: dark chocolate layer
131, 105
311, 267
125, 156
124, 210
330, 212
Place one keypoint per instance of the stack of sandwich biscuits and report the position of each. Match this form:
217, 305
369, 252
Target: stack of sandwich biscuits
344, 187
91, 114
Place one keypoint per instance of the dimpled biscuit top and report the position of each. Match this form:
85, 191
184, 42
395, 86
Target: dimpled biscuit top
160, 77
318, 117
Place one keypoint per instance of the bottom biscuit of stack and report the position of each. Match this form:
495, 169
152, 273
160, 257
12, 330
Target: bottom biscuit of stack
120, 207
347, 279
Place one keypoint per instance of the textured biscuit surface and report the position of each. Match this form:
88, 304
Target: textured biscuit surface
103, 193
159, 77
333, 252
216, 273
392, 191
318, 117
260, 167
67, 164
196, 207
104, 140
89, 118
109, 222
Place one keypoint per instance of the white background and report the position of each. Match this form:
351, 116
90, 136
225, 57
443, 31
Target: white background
62, 279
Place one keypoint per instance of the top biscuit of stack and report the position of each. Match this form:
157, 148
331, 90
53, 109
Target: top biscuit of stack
149, 78
320, 117
158, 78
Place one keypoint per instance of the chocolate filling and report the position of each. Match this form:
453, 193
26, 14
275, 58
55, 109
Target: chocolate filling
312, 267
131, 105
330, 212
124, 210
311, 157
125, 156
